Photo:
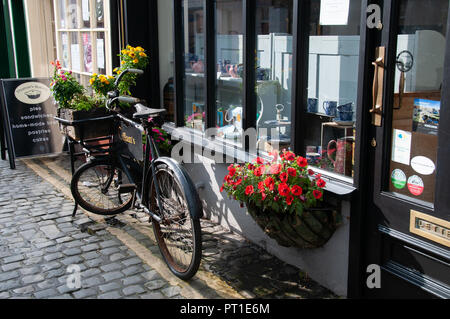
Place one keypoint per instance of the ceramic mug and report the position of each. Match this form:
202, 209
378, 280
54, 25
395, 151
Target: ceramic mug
343, 150
330, 107
348, 107
313, 105
345, 116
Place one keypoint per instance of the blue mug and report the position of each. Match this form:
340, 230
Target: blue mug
313, 105
346, 116
348, 107
330, 107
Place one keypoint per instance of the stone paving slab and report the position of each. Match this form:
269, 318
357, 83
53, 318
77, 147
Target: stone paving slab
117, 257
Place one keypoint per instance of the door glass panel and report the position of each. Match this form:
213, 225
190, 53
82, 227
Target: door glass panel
194, 99
417, 94
332, 86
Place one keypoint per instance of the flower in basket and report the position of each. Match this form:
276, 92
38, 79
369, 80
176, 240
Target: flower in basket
131, 58
102, 84
64, 86
283, 185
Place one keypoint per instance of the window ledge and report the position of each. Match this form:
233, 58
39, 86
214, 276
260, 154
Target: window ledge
341, 186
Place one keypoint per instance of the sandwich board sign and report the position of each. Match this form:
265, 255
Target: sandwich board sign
28, 119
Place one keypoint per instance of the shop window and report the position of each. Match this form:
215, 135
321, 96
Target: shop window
83, 37
273, 74
334, 44
230, 68
194, 64
166, 57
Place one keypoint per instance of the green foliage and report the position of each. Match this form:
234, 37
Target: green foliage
64, 86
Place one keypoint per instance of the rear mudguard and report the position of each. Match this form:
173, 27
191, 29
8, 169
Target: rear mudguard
192, 198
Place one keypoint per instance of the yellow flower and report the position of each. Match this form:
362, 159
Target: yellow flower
139, 49
124, 51
123, 62
107, 82
94, 75
91, 81
132, 55
118, 71
135, 61
142, 54
110, 77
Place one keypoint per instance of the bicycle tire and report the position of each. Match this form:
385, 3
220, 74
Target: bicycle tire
86, 188
179, 198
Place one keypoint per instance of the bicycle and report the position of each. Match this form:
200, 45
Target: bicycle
127, 177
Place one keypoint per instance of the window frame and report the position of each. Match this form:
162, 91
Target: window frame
300, 65
92, 30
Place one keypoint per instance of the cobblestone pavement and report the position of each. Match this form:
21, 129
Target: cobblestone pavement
41, 244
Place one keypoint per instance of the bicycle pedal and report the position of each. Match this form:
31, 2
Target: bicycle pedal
127, 188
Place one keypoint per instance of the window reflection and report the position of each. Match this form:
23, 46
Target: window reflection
332, 88
194, 106
273, 73
229, 60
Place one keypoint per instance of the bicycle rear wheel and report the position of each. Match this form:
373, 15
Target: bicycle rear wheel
95, 187
178, 234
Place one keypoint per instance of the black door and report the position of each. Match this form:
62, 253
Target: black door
407, 234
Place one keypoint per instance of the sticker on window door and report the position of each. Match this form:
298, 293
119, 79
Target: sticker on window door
398, 179
415, 185
423, 165
401, 147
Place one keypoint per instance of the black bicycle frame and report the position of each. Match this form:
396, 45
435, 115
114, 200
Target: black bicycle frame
153, 151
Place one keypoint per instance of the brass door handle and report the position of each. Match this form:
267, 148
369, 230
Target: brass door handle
377, 87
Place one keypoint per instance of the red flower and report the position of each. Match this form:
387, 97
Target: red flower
221, 189
275, 169
270, 183
249, 190
292, 171
263, 196
317, 194
231, 170
310, 172
261, 186
238, 182
289, 199
228, 179
302, 162
284, 189
284, 177
259, 170
297, 190
289, 156
259, 160
321, 183
251, 167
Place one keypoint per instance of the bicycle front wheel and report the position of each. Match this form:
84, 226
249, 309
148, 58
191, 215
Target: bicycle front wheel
179, 233
95, 187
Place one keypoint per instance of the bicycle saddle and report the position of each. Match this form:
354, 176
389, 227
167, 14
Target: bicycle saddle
144, 112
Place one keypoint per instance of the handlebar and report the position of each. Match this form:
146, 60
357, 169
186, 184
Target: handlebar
114, 95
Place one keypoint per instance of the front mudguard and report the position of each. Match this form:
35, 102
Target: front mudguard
192, 198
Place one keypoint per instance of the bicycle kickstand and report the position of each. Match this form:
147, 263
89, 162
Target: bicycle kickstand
75, 210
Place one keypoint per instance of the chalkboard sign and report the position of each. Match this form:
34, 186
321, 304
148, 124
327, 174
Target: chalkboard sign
28, 115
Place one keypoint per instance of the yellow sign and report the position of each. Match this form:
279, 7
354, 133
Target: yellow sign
128, 139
